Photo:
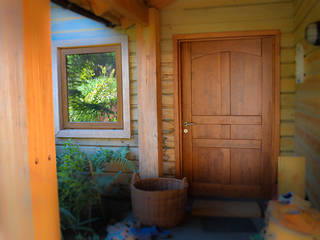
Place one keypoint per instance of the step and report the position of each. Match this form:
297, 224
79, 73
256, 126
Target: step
232, 209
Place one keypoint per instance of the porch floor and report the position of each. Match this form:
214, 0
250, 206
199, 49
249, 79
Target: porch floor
214, 228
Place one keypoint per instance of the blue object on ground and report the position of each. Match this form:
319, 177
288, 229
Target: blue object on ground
146, 233
286, 198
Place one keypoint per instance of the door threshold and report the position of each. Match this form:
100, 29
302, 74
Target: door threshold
227, 208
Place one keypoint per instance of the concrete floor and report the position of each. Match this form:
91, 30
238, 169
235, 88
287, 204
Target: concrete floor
209, 228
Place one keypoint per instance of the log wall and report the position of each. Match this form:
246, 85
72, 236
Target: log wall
307, 124
67, 25
196, 16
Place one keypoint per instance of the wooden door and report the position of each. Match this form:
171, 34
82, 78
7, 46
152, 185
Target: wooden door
227, 116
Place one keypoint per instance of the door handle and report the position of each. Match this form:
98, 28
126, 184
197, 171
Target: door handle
188, 123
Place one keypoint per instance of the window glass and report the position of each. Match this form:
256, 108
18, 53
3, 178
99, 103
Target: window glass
92, 87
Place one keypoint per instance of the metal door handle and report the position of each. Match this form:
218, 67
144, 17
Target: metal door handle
188, 123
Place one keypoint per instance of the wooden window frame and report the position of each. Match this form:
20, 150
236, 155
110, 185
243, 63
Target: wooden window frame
64, 109
125, 132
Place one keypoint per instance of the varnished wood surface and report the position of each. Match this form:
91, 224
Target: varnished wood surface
40, 121
230, 140
149, 84
203, 19
16, 220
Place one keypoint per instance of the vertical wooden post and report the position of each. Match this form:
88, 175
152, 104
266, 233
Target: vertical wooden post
40, 120
149, 96
15, 196
28, 181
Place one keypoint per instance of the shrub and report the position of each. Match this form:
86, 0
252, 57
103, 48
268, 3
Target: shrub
81, 181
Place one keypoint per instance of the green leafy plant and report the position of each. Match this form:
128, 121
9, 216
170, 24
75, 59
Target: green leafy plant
92, 87
81, 181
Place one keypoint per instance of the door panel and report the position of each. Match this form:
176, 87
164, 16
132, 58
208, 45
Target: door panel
245, 84
212, 165
215, 131
245, 166
249, 46
246, 132
206, 85
227, 94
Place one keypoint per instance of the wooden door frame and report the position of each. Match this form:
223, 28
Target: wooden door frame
178, 40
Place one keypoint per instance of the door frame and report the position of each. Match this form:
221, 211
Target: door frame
178, 40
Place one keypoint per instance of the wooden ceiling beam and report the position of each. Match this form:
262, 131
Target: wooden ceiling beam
134, 10
99, 7
159, 4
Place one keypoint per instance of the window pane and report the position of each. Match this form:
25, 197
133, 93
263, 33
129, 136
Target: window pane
92, 87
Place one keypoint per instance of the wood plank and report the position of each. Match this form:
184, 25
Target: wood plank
176, 16
207, 143
15, 188
40, 119
160, 4
288, 85
246, 71
246, 132
132, 9
223, 3
268, 148
226, 119
168, 30
211, 165
186, 103
215, 131
286, 144
287, 129
225, 83
207, 80
233, 191
292, 175
149, 101
234, 209
248, 46
245, 167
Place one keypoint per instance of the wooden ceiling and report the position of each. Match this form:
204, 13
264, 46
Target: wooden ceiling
122, 12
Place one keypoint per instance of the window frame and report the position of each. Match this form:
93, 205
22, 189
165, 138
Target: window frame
101, 132
64, 106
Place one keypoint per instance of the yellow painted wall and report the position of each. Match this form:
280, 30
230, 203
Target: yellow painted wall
307, 138
198, 16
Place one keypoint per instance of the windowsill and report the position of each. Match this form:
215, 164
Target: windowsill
96, 133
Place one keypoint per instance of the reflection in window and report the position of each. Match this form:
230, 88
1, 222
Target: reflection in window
92, 88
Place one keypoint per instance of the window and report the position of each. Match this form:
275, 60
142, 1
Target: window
91, 87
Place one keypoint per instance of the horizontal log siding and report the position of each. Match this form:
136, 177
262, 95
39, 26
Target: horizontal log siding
67, 25
307, 124
196, 16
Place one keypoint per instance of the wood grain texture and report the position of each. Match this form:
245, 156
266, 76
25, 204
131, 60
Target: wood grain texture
219, 126
216, 18
40, 119
246, 132
245, 167
307, 111
211, 165
149, 84
15, 188
233, 209
71, 29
